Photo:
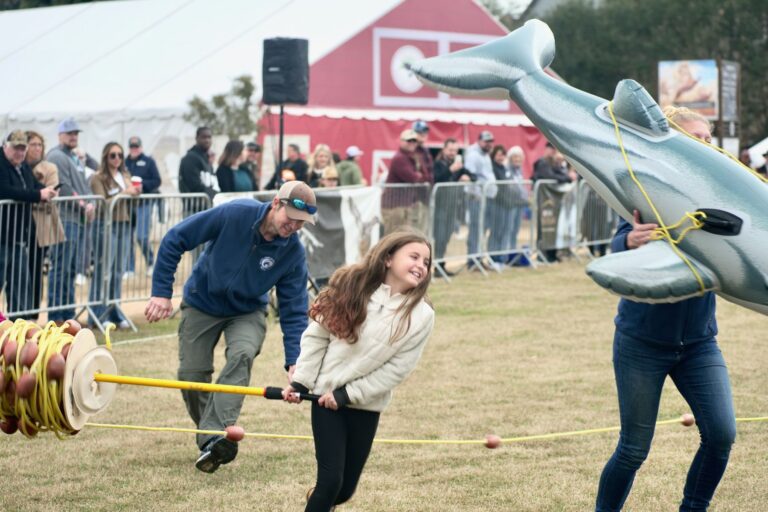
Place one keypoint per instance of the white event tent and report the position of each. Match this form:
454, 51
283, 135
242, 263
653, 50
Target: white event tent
129, 67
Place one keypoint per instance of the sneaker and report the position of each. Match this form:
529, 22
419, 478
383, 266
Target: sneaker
124, 325
497, 266
216, 452
150, 269
80, 280
128, 275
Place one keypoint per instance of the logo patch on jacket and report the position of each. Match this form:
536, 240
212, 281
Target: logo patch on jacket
266, 263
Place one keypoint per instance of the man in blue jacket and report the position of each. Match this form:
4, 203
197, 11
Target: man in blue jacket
251, 247
143, 166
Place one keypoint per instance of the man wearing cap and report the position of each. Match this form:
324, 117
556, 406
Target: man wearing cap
67, 255
478, 163
17, 232
349, 169
406, 206
422, 131
144, 167
250, 248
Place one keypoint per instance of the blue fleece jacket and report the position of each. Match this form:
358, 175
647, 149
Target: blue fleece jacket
680, 323
237, 268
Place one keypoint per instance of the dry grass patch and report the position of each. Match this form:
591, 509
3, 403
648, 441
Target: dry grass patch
525, 352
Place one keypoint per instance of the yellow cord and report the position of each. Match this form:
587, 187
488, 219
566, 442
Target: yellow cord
43, 409
537, 437
663, 230
719, 150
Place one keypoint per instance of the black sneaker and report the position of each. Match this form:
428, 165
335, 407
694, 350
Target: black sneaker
216, 452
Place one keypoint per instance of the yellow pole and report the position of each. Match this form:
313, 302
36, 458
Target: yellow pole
179, 384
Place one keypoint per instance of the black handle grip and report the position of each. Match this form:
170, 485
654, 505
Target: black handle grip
274, 393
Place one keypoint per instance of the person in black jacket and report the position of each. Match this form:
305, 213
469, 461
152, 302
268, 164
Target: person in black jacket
195, 172
293, 168
17, 231
448, 168
145, 167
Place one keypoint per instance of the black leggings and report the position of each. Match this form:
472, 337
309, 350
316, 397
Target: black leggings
343, 441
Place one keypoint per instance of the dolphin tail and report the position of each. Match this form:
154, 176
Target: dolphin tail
490, 70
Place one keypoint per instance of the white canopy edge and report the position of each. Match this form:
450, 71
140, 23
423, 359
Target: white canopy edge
478, 118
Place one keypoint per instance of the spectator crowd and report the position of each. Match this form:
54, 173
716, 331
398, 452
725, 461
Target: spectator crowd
73, 240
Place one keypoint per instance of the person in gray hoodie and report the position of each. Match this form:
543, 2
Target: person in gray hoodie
75, 217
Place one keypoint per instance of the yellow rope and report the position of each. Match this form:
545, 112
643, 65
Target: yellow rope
719, 150
663, 230
42, 410
537, 437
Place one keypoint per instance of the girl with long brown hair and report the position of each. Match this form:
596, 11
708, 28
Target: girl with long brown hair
368, 330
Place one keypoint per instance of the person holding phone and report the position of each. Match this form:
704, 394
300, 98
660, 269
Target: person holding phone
48, 228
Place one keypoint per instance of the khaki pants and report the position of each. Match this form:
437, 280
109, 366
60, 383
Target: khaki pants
198, 335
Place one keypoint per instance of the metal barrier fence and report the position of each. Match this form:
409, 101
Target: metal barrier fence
128, 237
596, 221
405, 204
78, 254
568, 217
54, 239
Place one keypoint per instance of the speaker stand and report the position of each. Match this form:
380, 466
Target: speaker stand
280, 149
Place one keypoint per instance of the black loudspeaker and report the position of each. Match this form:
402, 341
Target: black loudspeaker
285, 72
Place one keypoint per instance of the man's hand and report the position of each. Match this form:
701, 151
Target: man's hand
48, 193
158, 308
641, 233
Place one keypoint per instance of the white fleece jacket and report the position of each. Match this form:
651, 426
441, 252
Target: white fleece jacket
369, 369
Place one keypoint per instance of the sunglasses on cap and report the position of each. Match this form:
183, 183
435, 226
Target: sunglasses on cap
113, 156
299, 204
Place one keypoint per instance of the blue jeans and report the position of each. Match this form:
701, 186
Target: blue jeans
65, 258
141, 232
475, 235
699, 372
114, 263
504, 229
15, 275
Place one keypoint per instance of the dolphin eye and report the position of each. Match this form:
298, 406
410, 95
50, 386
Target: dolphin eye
720, 222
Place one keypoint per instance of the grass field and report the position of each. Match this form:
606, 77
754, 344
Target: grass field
525, 352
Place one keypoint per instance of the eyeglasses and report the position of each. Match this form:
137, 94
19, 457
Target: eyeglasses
412, 140
115, 156
299, 204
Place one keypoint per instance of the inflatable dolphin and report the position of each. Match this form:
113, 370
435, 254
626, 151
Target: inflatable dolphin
680, 175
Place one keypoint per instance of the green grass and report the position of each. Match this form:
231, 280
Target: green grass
527, 352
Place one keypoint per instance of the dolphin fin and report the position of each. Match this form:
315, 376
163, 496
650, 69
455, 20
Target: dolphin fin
633, 104
652, 273
490, 69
